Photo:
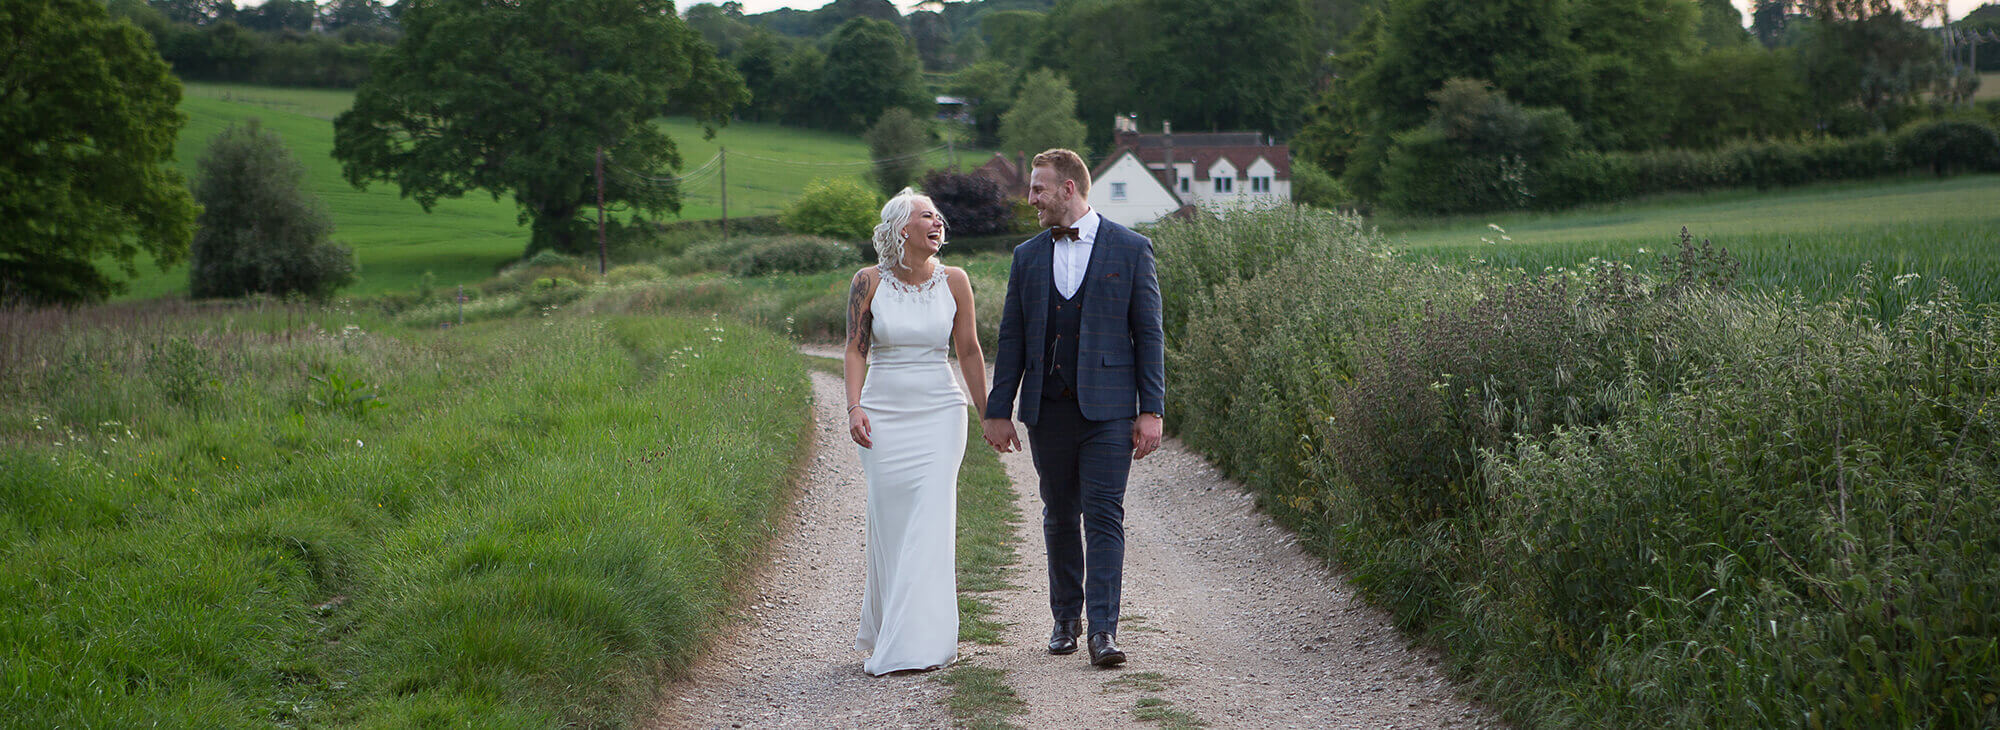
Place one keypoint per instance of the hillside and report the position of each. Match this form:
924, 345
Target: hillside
465, 240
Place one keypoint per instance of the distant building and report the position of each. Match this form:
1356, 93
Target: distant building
954, 109
1134, 184
1150, 176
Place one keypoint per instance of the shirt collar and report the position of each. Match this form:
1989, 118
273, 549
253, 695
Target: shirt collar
1086, 227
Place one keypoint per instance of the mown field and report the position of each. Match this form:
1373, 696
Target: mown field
1812, 240
467, 240
257, 515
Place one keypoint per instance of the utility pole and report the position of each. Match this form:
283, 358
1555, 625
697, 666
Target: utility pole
601, 249
722, 154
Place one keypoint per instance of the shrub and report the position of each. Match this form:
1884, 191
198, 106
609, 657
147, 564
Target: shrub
791, 255
836, 208
972, 205
1476, 153
1313, 186
259, 230
1645, 500
1950, 147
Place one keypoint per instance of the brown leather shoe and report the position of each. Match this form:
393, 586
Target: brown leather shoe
1104, 651
1063, 639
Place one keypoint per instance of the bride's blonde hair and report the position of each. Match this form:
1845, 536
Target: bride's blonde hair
889, 233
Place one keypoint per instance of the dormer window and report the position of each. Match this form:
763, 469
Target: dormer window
1225, 185
1260, 184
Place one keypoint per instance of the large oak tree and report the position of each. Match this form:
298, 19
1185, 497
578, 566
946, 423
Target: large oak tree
516, 96
88, 112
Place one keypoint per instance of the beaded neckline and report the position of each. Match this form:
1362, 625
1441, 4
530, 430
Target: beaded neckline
898, 285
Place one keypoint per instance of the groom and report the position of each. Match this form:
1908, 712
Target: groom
1082, 342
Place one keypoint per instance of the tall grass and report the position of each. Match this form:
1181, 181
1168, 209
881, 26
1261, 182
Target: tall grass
267, 514
1620, 496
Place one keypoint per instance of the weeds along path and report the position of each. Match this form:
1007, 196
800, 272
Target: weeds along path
1227, 622
788, 659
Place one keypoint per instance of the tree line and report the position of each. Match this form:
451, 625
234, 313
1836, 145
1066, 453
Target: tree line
279, 43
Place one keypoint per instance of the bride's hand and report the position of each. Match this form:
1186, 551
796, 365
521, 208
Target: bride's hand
857, 428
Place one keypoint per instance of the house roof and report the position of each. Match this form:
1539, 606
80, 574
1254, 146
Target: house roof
1159, 176
1241, 149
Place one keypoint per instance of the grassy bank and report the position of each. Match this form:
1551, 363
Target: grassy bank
245, 516
1619, 497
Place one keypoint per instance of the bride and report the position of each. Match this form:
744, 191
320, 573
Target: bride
907, 414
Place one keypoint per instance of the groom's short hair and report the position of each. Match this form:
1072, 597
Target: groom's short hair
1069, 165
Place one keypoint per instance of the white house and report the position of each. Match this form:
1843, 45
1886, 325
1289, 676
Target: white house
1149, 176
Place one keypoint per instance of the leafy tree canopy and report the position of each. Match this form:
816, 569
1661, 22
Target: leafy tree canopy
896, 144
516, 97
870, 67
1043, 117
88, 112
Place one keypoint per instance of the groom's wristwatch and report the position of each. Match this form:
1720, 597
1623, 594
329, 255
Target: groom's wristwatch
1155, 414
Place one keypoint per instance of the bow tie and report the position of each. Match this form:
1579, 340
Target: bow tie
1061, 232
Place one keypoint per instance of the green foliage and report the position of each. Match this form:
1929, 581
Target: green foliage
183, 371
1875, 61
1479, 151
837, 208
440, 122
991, 86
89, 117
517, 538
1737, 93
870, 68
792, 255
1947, 147
335, 390
1313, 186
1042, 117
259, 231
897, 143
1619, 499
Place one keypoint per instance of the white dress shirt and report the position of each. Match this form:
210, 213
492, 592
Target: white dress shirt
1072, 257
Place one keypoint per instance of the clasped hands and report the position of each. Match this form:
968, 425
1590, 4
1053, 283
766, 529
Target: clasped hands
1001, 436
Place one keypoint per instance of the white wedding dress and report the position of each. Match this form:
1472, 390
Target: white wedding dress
916, 414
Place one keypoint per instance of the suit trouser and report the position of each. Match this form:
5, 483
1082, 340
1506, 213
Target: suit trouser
1083, 466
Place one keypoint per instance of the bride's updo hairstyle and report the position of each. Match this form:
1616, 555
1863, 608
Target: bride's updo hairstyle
889, 233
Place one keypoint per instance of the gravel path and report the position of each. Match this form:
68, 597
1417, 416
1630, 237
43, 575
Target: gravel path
789, 660
1227, 621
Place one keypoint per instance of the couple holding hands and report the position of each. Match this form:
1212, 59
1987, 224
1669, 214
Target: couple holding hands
1081, 344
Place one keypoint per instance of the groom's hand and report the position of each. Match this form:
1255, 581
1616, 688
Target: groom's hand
1000, 434
1145, 435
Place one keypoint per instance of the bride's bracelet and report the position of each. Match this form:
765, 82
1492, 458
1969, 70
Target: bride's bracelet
850, 409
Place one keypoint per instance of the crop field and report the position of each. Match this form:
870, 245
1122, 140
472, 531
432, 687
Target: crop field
466, 240
1814, 240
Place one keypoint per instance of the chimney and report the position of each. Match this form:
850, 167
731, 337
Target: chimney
1173, 173
1125, 129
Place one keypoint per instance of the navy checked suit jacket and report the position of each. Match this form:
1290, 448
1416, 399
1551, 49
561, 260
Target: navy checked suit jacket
1121, 351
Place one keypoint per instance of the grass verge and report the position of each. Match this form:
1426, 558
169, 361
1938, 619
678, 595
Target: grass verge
244, 516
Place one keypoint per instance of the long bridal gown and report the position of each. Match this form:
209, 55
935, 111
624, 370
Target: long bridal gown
916, 411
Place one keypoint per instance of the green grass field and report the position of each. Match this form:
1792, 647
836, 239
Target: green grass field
466, 240
1811, 239
259, 515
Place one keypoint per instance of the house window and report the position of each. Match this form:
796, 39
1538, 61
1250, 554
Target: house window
1184, 184
1118, 191
1225, 185
1260, 184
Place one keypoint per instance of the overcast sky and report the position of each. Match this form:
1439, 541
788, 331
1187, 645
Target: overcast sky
1958, 7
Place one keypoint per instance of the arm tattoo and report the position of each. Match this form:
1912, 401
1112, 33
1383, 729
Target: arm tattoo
859, 323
